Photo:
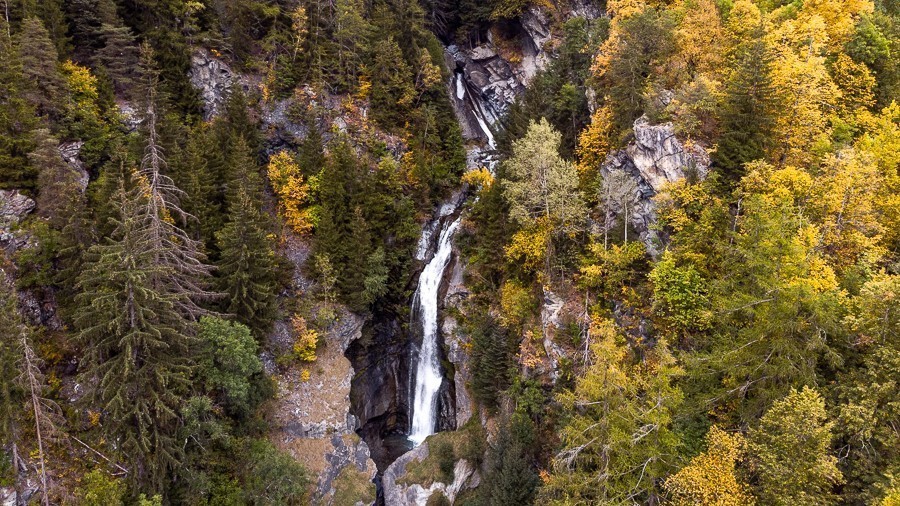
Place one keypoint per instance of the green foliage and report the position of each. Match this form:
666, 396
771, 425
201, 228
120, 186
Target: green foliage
645, 41
618, 438
40, 68
247, 265
443, 452
272, 477
680, 295
509, 477
228, 360
16, 120
139, 348
868, 404
790, 449
98, 488
359, 215
491, 361
558, 93
747, 115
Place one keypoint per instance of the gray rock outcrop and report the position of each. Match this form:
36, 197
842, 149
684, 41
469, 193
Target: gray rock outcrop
14, 206
213, 78
399, 493
654, 158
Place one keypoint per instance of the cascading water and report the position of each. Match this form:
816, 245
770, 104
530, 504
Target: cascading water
428, 372
428, 369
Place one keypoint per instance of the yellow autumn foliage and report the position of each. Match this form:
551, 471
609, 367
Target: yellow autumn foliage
306, 340
594, 143
292, 191
709, 479
480, 178
528, 246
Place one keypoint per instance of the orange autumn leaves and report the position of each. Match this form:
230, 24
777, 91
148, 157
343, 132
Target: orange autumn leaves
292, 191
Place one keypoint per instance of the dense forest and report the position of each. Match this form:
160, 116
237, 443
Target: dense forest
677, 244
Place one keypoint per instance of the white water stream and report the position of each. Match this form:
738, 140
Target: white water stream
425, 301
428, 370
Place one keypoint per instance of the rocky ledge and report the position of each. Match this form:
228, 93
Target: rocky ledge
654, 158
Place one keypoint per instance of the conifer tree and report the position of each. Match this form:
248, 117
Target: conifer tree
11, 393
119, 54
57, 181
137, 343
619, 442
193, 173
341, 232
40, 68
16, 118
185, 272
748, 117
247, 265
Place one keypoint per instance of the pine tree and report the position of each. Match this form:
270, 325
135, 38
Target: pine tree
22, 391
748, 117
247, 265
509, 477
137, 343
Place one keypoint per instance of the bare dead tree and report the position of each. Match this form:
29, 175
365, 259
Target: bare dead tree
183, 269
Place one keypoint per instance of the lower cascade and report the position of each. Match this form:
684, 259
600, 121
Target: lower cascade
428, 376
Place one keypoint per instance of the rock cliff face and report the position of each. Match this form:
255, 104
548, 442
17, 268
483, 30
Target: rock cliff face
311, 416
487, 79
653, 158
399, 493
213, 78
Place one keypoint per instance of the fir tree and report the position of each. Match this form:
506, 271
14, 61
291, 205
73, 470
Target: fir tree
118, 56
40, 68
16, 118
57, 181
185, 272
193, 172
341, 231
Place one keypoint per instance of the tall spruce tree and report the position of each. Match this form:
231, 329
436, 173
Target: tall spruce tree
16, 118
40, 68
186, 272
137, 343
247, 266
57, 181
193, 172
119, 54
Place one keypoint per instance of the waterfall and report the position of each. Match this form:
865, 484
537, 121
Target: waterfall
428, 371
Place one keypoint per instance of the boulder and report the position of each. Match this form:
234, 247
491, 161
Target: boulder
398, 493
13, 207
